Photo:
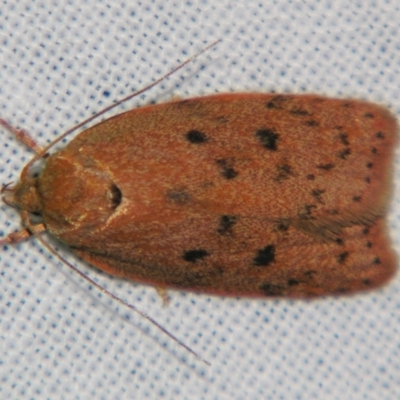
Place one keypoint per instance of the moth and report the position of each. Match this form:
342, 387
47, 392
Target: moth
242, 194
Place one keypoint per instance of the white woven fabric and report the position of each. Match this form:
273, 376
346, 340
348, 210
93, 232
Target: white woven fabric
60, 61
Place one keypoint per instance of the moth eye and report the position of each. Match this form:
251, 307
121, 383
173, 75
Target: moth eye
116, 196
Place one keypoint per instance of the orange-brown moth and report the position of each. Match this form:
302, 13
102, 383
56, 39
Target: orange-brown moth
233, 194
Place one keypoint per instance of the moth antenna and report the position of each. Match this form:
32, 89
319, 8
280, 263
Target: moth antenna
44, 150
119, 300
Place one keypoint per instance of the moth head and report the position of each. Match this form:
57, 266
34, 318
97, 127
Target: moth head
23, 195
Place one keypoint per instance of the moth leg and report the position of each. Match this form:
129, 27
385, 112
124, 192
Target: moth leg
22, 234
32, 229
164, 295
23, 136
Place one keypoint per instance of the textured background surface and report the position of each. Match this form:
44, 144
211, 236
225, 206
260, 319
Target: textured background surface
60, 61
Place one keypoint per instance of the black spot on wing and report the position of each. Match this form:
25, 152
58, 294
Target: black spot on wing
195, 255
344, 138
310, 273
376, 261
340, 290
277, 102
326, 167
271, 290
284, 171
268, 138
343, 154
196, 137
227, 169
178, 196
226, 223
282, 226
264, 256
342, 257
317, 194
300, 112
